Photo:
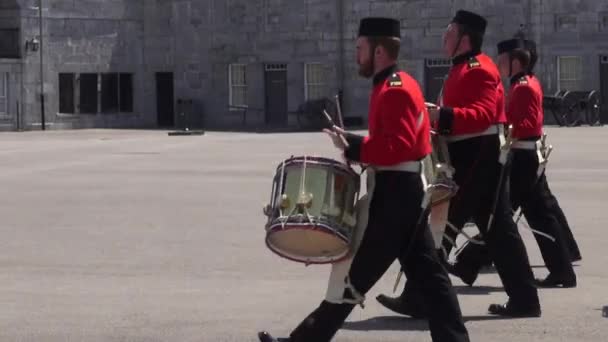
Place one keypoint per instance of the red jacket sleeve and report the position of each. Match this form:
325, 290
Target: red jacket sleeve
521, 109
478, 91
395, 138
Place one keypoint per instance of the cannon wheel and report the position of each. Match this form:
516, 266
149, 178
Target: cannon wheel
310, 114
593, 109
569, 115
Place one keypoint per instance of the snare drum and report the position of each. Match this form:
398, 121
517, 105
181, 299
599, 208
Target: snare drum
311, 215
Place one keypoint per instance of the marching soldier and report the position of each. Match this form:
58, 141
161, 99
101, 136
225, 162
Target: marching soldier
529, 187
575, 253
472, 118
399, 132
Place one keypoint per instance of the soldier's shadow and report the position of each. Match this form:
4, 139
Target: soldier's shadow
477, 290
387, 323
489, 270
400, 323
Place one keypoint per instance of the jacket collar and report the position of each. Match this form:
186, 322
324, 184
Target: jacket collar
384, 74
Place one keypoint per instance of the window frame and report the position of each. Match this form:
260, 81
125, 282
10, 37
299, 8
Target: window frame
578, 78
232, 105
4, 79
306, 81
121, 106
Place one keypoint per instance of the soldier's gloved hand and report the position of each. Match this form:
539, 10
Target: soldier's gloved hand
433, 111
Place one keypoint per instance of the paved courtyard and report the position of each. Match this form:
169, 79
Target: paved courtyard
123, 235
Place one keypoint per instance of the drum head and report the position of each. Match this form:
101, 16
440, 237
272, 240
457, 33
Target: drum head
306, 243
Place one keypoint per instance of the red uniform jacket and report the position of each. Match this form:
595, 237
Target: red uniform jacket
399, 127
473, 96
525, 106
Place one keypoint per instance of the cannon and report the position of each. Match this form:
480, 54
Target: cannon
574, 108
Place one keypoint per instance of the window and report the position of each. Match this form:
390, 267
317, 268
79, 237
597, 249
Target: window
569, 72
438, 62
566, 22
126, 93
237, 75
116, 93
66, 94
105, 93
3, 93
88, 93
109, 93
9, 43
315, 86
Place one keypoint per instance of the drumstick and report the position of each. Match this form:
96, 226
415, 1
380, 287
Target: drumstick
339, 111
333, 128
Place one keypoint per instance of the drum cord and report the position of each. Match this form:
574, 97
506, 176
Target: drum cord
302, 192
526, 225
303, 177
283, 220
523, 224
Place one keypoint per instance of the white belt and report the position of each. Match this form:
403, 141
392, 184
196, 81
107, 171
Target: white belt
526, 145
494, 129
408, 166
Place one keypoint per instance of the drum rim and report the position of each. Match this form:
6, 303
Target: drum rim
331, 225
323, 228
316, 160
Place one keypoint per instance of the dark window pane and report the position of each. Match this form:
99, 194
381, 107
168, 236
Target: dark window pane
126, 93
9, 43
88, 93
109, 93
66, 93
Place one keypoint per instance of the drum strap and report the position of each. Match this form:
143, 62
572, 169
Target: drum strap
543, 155
506, 143
425, 184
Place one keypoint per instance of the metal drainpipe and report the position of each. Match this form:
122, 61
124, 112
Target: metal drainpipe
21, 102
341, 62
42, 116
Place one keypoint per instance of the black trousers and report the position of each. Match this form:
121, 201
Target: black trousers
554, 207
394, 213
542, 212
477, 174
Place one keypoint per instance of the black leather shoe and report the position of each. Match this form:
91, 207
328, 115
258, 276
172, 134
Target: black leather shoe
264, 336
465, 274
509, 310
402, 306
554, 281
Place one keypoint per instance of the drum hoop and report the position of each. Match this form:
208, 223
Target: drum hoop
311, 260
317, 161
280, 222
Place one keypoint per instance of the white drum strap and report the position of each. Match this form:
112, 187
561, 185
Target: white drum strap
426, 200
505, 145
438, 219
543, 155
